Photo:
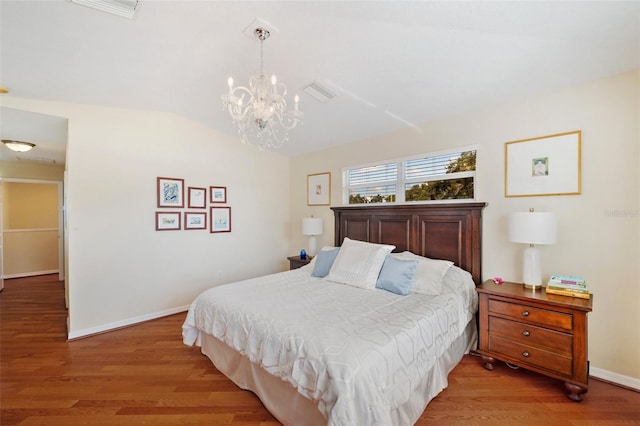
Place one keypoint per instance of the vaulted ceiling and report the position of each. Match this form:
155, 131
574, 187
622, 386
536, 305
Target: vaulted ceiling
391, 64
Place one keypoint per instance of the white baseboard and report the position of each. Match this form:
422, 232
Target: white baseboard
29, 274
124, 323
618, 379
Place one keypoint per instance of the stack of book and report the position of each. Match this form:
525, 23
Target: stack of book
568, 285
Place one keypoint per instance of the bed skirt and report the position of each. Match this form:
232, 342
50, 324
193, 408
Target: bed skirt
291, 408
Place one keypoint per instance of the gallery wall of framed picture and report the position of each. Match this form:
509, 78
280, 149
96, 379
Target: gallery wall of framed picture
171, 195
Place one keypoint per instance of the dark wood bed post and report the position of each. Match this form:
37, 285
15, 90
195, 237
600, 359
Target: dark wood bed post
451, 231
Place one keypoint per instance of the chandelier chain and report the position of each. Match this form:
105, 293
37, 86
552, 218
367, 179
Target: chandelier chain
261, 56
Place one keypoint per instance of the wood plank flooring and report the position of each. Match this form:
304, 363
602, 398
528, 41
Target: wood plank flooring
144, 375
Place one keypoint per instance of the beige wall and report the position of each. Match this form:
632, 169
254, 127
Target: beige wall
598, 230
122, 271
30, 205
30, 233
27, 253
22, 170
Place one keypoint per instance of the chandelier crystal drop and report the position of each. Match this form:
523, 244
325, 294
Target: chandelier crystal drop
260, 112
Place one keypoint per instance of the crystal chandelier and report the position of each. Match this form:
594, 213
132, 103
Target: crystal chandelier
259, 112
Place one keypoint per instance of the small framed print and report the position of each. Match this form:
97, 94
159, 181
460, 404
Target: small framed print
195, 220
319, 189
197, 198
218, 194
167, 221
170, 192
220, 219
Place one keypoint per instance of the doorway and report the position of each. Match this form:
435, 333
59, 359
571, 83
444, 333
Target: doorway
31, 228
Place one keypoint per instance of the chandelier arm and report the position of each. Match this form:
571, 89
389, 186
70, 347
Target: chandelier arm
238, 110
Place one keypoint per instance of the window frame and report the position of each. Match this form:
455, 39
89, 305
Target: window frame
402, 180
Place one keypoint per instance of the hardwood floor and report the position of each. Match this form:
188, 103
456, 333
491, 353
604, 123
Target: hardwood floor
145, 375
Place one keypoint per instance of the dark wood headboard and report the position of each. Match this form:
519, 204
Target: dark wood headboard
438, 231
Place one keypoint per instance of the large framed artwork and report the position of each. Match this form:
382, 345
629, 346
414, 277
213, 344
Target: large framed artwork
220, 219
170, 192
546, 165
319, 189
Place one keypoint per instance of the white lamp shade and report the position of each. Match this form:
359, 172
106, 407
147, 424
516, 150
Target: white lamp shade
312, 226
532, 228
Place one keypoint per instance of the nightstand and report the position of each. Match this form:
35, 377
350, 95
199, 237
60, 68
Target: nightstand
545, 333
295, 262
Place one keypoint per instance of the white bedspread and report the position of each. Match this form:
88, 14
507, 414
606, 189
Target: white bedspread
356, 352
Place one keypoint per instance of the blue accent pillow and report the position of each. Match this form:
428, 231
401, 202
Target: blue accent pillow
324, 262
396, 275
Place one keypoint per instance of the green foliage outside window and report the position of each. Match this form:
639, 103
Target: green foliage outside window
360, 199
447, 189
450, 189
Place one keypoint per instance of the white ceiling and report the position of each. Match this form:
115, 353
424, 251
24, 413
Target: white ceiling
392, 64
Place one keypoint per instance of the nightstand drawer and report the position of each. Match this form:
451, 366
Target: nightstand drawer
531, 355
531, 315
528, 334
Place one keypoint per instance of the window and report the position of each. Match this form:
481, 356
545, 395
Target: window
430, 177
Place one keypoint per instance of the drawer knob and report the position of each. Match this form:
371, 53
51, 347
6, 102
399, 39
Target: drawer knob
525, 313
526, 333
525, 354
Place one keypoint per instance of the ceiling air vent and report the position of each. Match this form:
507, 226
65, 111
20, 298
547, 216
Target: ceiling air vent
318, 92
125, 8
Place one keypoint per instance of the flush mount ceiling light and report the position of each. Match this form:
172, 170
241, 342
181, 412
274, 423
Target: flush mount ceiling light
259, 112
125, 8
18, 146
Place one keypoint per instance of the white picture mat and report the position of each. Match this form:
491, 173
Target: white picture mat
563, 164
319, 189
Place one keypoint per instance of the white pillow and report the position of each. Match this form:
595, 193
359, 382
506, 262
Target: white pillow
358, 263
429, 273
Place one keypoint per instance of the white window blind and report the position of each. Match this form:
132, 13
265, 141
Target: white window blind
424, 178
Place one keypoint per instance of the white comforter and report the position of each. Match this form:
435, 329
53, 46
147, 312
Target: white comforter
356, 352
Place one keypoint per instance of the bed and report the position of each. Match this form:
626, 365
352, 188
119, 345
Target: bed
319, 345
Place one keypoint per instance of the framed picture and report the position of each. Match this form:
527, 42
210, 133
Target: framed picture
195, 220
319, 189
167, 221
220, 219
197, 198
548, 165
170, 192
218, 194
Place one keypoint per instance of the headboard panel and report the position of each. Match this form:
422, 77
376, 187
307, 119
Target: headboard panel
439, 231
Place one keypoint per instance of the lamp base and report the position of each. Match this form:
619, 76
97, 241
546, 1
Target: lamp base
531, 271
312, 246
532, 287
